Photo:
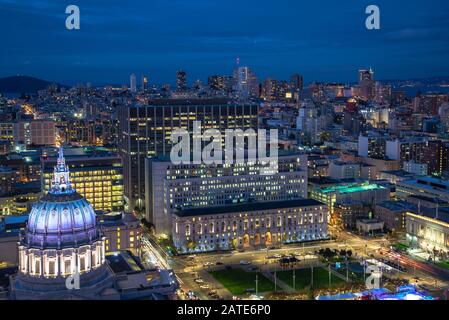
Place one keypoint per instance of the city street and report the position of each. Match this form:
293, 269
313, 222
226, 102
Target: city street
193, 271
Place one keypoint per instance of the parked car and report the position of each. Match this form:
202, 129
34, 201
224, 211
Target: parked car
245, 263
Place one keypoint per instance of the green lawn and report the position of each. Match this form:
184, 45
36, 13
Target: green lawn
237, 281
401, 246
303, 278
443, 264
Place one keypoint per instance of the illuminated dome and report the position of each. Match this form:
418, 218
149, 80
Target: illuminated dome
62, 237
63, 217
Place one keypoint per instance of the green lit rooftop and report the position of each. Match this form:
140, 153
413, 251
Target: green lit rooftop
351, 188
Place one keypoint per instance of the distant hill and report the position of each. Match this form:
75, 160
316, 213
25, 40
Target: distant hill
23, 84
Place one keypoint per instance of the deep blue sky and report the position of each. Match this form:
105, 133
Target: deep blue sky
322, 39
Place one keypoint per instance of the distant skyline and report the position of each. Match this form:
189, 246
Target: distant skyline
323, 40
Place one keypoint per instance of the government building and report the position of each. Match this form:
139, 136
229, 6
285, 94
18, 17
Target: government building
170, 187
250, 226
63, 242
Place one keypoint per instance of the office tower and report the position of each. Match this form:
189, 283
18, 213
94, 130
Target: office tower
145, 131
431, 103
181, 81
270, 89
220, 83
35, 132
246, 84
296, 83
367, 84
133, 83
171, 187
96, 175
144, 83
372, 145
383, 92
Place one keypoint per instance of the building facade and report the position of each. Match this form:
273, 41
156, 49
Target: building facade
145, 131
429, 230
365, 193
257, 225
172, 187
97, 176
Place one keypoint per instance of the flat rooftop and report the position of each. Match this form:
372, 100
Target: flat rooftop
124, 261
193, 102
397, 205
351, 188
441, 214
249, 207
429, 183
399, 173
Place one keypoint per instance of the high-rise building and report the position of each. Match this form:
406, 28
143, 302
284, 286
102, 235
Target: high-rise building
145, 131
367, 84
296, 82
181, 81
133, 83
246, 84
430, 104
96, 174
35, 132
172, 187
220, 83
145, 82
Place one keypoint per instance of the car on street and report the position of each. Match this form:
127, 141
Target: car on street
245, 263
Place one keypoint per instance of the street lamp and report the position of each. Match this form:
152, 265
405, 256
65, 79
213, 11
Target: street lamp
257, 284
294, 280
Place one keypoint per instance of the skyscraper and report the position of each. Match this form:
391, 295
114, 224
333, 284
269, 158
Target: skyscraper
366, 83
145, 131
296, 82
144, 82
181, 81
246, 83
133, 83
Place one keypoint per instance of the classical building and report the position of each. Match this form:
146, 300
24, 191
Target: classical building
62, 253
61, 239
253, 225
429, 230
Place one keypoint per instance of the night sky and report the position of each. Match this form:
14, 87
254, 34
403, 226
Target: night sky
324, 40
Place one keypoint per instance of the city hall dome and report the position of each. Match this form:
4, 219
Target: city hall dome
62, 218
